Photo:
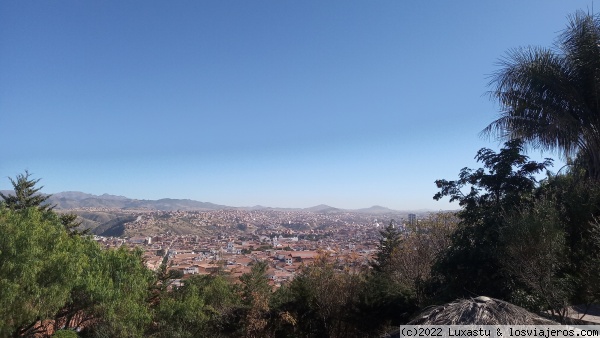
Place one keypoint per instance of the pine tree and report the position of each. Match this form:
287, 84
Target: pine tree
26, 195
256, 292
388, 244
71, 224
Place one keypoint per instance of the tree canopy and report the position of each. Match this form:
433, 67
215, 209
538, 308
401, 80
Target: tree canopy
550, 97
505, 184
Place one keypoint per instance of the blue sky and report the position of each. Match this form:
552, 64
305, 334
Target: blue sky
277, 103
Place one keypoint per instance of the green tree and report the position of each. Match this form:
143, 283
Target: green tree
256, 293
384, 300
472, 264
115, 288
26, 194
591, 268
49, 276
536, 254
577, 202
39, 266
71, 224
321, 302
550, 97
203, 307
383, 303
389, 243
419, 248
110, 295
506, 181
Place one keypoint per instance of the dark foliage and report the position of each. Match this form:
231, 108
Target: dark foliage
550, 97
506, 183
26, 194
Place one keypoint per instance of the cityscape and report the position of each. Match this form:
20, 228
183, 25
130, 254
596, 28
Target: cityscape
231, 240
314, 169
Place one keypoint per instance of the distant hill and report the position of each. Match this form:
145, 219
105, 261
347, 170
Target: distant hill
114, 227
322, 208
376, 209
75, 200
77, 195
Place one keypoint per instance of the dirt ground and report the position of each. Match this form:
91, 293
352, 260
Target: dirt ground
592, 315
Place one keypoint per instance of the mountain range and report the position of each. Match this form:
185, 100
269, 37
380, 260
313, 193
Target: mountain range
75, 200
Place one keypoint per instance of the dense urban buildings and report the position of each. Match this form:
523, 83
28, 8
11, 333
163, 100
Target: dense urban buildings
203, 242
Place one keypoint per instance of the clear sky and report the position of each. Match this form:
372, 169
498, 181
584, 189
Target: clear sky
277, 103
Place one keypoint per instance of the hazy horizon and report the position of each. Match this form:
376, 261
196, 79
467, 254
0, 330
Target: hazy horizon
280, 104
236, 206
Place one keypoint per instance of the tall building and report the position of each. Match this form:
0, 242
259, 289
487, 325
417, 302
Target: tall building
412, 219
